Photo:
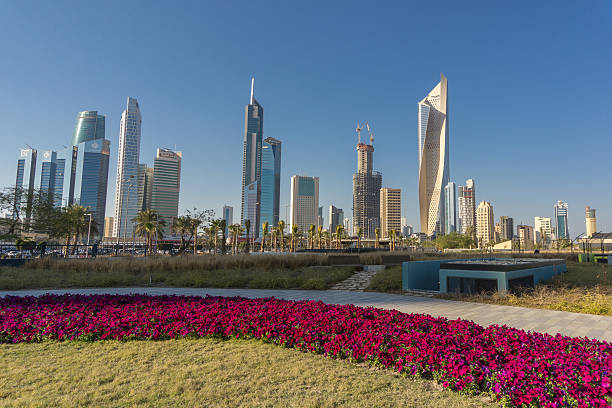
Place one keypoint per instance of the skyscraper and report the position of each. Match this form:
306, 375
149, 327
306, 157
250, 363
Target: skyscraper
166, 186
228, 216
467, 207
526, 236
126, 195
433, 157
145, 187
366, 190
543, 229
25, 179
336, 217
270, 182
507, 228
485, 224
90, 165
591, 222
304, 201
390, 211
251, 163
450, 207
561, 220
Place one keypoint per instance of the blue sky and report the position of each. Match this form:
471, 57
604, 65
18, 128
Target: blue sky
529, 91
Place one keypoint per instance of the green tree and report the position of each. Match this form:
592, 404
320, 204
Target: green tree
311, 233
359, 235
294, 233
264, 232
339, 231
247, 226
281, 234
236, 230
147, 225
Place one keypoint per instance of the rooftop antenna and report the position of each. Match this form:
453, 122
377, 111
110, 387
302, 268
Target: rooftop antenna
252, 86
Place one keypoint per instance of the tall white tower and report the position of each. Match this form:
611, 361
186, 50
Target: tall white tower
126, 196
433, 157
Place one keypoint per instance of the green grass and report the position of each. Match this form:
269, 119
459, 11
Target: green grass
202, 373
301, 277
389, 280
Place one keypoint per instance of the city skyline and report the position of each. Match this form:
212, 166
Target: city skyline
210, 120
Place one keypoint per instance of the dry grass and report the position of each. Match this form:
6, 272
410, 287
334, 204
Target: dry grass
389, 280
205, 373
585, 288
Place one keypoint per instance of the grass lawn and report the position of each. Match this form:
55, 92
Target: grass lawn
388, 280
205, 373
255, 277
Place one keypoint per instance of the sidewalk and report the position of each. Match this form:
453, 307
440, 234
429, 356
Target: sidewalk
540, 320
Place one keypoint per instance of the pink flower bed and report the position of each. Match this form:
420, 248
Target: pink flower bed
518, 368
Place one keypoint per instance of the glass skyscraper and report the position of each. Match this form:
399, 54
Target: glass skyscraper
25, 179
91, 165
450, 207
127, 203
166, 186
561, 220
251, 163
270, 181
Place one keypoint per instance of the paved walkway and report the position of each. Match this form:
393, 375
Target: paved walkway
548, 321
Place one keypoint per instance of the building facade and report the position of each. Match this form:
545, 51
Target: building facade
506, 225
450, 207
91, 160
270, 182
304, 202
336, 217
145, 186
366, 192
591, 222
251, 163
390, 211
433, 157
561, 225
109, 222
543, 230
485, 224
526, 236
127, 200
228, 216
166, 186
467, 207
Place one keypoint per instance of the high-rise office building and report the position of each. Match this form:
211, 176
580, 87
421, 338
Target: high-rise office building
433, 157
127, 200
467, 207
90, 166
366, 190
348, 227
166, 186
390, 211
145, 187
251, 163
319, 217
506, 228
270, 182
561, 220
485, 224
543, 230
25, 179
450, 207
304, 201
65, 173
525, 235
228, 216
336, 217
591, 222
108, 227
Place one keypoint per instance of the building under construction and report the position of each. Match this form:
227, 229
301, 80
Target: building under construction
366, 189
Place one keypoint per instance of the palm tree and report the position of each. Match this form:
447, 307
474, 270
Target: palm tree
392, 236
222, 227
377, 233
274, 237
147, 226
294, 231
264, 232
182, 226
339, 230
326, 239
236, 230
311, 231
319, 235
214, 231
359, 235
281, 233
247, 225
74, 224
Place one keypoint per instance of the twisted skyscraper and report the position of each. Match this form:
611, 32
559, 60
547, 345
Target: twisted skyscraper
433, 157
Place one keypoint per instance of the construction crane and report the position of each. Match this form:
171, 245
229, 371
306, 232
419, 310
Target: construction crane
371, 133
359, 129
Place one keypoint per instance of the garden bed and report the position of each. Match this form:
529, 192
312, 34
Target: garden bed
515, 367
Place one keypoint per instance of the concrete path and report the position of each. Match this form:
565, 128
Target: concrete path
539, 320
